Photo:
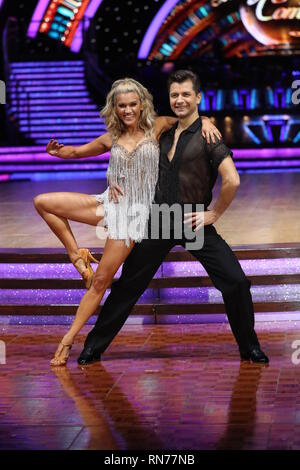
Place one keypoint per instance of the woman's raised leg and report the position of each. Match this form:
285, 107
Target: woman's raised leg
56, 208
115, 253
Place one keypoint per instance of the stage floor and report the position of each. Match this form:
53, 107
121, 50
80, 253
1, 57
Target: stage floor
265, 210
157, 387
175, 386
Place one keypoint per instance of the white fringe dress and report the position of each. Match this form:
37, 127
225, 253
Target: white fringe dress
137, 173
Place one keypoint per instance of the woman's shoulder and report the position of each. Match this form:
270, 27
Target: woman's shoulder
163, 123
106, 140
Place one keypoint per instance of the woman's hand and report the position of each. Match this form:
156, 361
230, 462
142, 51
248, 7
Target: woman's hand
54, 147
114, 192
209, 131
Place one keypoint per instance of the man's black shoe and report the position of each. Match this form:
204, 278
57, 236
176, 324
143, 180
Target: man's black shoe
254, 355
88, 356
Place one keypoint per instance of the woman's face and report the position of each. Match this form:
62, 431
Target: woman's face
128, 108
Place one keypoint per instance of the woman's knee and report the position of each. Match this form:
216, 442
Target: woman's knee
102, 280
40, 201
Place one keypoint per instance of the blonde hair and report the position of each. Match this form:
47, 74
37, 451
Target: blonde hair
114, 125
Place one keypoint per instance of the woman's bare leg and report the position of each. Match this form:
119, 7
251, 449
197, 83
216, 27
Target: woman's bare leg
57, 208
115, 253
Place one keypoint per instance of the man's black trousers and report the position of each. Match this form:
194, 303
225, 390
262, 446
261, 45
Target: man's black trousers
139, 268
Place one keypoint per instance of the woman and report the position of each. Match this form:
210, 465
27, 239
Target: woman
132, 137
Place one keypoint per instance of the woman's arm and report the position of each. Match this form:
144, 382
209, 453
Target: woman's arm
96, 147
162, 124
209, 130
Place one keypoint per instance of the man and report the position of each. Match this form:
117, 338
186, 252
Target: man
188, 170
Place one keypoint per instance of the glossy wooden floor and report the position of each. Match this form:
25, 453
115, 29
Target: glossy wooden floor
157, 387
265, 210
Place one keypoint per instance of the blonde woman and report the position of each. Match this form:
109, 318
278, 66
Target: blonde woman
133, 132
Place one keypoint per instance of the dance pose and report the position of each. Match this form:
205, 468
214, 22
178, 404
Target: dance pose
188, 169
133, 134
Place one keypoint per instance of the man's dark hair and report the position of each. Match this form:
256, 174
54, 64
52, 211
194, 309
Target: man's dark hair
180, 76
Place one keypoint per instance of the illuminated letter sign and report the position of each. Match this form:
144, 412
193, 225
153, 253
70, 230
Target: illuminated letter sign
272, 22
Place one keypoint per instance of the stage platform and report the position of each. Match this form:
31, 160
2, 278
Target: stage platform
265, 210
177, 337
40, 285
160, 387
172, 379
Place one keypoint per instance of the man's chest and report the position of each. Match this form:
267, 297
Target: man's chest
184, 148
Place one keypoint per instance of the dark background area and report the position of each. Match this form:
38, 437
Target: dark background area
110, 50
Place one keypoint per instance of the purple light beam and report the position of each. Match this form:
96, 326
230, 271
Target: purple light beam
153, 29
37, 16
89, 13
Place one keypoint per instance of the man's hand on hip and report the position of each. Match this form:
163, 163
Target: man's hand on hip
199, 219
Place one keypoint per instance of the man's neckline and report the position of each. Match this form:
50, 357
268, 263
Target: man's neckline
192, 127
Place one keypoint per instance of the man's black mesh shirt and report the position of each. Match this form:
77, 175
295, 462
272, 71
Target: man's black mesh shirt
192, 173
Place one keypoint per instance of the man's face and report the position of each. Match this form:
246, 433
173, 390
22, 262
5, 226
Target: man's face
183, 99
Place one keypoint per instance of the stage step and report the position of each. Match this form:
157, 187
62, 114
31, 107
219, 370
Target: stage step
185, 300
166, 282
33, 163
54, 167
59, 255
53, 120
153, 308
44, 282
35, 156
60, 107
29, 89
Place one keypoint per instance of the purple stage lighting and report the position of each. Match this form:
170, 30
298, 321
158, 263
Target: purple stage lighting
38, 14
153, 29
89, 13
